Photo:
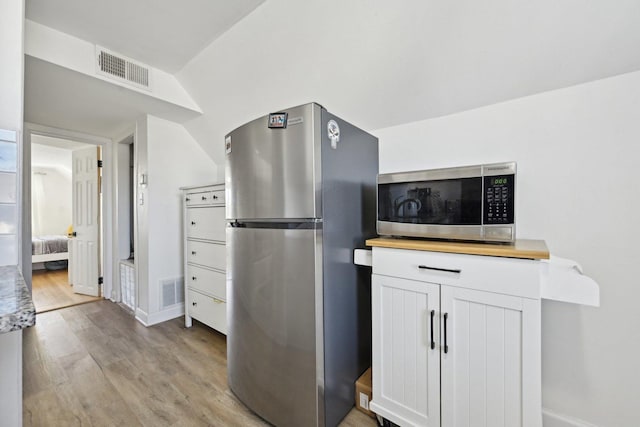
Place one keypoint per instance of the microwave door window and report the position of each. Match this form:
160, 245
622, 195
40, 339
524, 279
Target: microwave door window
446, 202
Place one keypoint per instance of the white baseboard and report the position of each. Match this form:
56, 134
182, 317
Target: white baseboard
142, 316
553, 419
160, 316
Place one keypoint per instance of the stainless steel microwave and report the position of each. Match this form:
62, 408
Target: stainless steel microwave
461, 203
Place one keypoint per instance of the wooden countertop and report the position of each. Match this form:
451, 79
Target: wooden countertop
522, 248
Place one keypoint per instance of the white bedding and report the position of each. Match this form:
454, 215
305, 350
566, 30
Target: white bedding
49, 248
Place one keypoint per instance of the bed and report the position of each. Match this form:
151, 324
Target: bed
49, 248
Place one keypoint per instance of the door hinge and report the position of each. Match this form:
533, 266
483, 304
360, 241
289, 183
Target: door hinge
99, 163
100, 280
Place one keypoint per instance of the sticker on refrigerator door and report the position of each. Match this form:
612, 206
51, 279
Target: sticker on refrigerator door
227, 144
333, 132
278, 120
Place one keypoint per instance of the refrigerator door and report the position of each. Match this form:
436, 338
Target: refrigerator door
275, 173
274, 349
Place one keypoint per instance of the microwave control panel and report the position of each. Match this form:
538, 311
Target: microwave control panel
499, 199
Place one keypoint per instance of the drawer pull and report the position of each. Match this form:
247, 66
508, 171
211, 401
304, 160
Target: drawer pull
194, 303
446, 347
204, 197
433, 343
448, 270
215, 197
193, 223
188, 199
193, 252
193, 278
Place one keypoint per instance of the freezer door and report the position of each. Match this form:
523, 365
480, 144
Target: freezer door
275, 173
273, 365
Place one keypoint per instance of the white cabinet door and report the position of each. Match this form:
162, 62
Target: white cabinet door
406, 367
491, 369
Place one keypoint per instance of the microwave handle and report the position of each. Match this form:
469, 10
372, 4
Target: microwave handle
448, 270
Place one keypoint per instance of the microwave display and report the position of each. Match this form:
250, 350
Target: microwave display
498, 199
449, 201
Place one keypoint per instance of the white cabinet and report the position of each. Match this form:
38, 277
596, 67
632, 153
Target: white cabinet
456, 339
205, 256
406, 370
491, 368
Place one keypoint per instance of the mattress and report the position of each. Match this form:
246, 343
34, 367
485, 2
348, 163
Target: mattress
49, 245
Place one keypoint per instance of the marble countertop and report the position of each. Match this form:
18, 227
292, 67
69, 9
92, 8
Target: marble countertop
16, 306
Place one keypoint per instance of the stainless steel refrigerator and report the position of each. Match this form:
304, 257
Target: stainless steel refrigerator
300, 196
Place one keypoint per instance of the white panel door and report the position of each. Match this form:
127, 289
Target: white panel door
489, 359
84, 256
406, 351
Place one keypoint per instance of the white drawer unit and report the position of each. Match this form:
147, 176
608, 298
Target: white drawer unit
205, 256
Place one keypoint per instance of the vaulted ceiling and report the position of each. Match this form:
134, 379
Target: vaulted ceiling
165, 34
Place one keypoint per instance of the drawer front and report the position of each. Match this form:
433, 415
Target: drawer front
217, 197
208, 254
208, 310
198, 199
206, 223
518, 277
208, 281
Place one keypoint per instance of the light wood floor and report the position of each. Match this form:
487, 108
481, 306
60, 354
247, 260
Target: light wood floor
95, 365
51, 291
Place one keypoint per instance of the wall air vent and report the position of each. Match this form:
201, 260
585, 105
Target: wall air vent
122, 69
172, 291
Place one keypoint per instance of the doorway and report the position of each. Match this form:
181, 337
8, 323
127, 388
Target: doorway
67, 233
125, 221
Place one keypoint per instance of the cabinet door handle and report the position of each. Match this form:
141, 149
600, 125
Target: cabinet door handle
448, 270
193, 278
433, 343
193, 252
446, 347
194, 304
193, 223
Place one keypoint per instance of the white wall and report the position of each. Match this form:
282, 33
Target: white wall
11, 102
11, 72
380, 63
51, 190
11, 88
577, 151
173, 160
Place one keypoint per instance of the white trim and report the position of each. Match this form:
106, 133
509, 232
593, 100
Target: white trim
172, 312
142, 316
553, 419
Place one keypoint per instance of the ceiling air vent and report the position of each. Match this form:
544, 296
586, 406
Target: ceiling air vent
123, 69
